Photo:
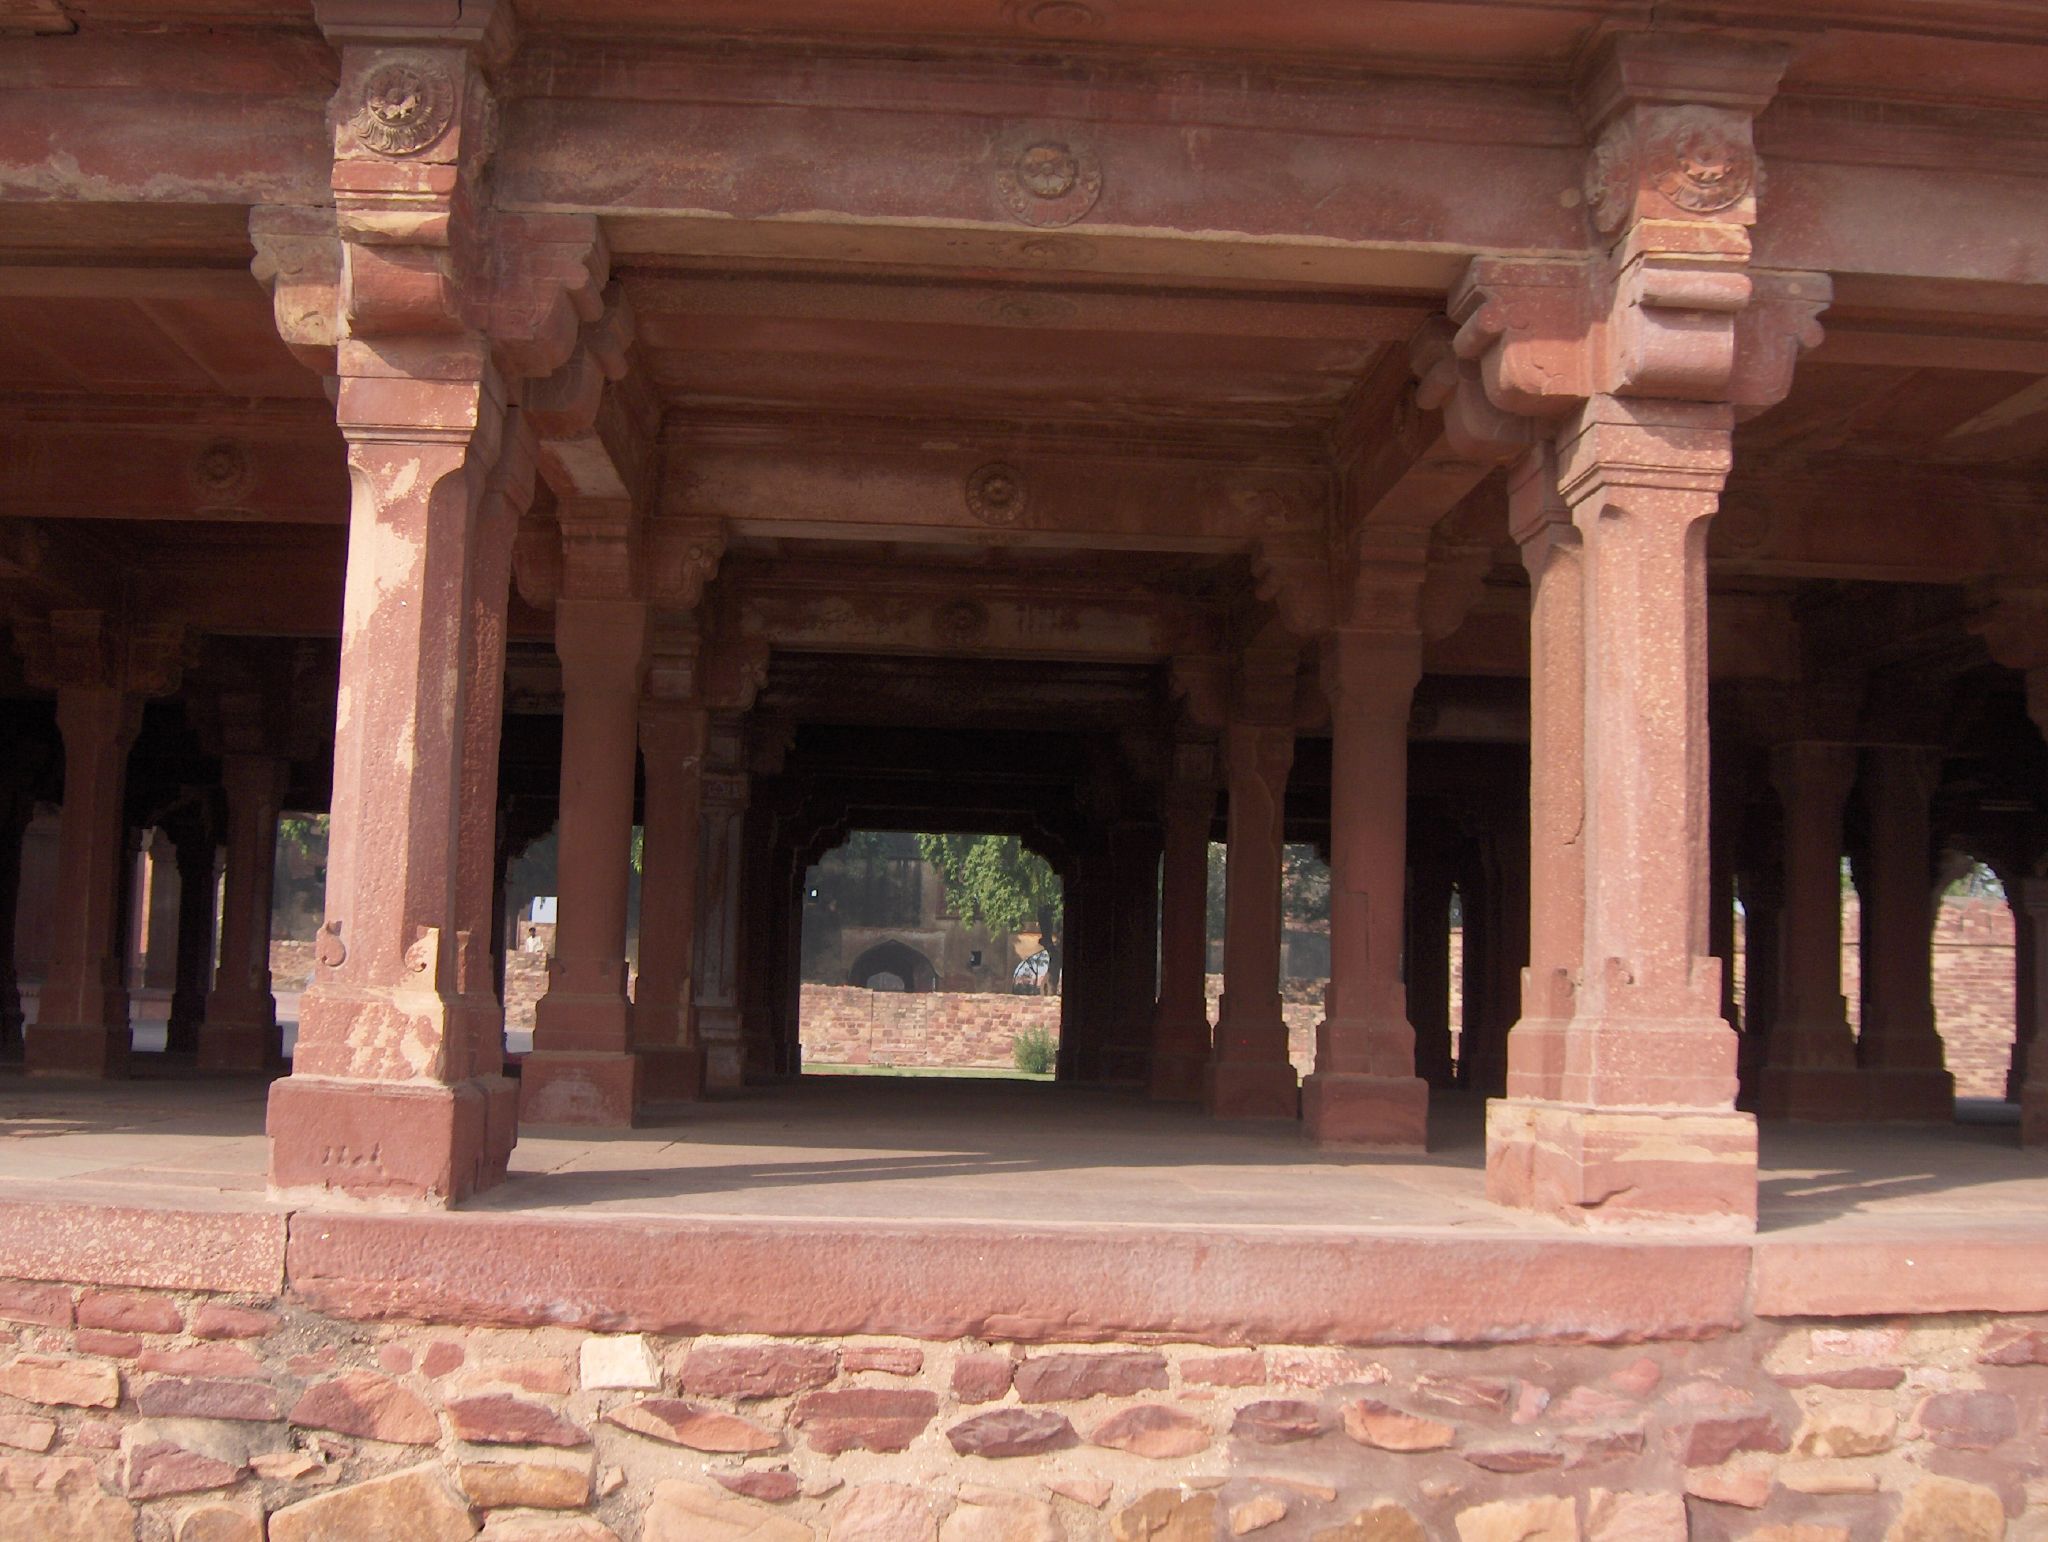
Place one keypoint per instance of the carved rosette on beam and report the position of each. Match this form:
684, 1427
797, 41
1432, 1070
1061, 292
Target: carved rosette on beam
1637, 361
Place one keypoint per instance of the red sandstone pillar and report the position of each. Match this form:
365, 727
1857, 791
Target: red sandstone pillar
719, 871
157, 915
1643, 1121
664, 1029
1135, 851
241, 1032
389, 1095
1900, 1047
1557, 713
1180, 1018
2026, 987
1251, 1076
582, 1069
81, 1026
2032, 911
1428, 953
198, 891
1364, 1091
16, 809
1809, 1067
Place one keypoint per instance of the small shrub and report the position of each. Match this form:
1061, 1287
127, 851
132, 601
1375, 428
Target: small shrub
1034, 1050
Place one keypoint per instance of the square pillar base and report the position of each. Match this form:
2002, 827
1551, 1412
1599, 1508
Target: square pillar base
1253, 1089
1601, 1167
1366, 1113
1178, 1076
242, 1047
593, 1087
91, 1050
1910, 1095
1823, 1094
425, 1143
2034, 1115
673, 1073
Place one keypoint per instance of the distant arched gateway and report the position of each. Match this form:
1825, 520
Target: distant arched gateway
893, 966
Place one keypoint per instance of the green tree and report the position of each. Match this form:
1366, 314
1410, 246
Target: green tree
994, 880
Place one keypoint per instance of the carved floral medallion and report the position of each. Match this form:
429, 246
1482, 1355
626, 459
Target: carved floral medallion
407, 106
1050, 180
996, 494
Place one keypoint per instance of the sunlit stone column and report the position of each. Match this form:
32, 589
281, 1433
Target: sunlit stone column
582, 1069
1364, 1091
1809, 1069
1642, 1122
241, 1032
1180, 1018
1900, 1047
1251, 1076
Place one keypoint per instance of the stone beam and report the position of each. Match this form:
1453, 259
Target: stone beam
991, 496
277, 467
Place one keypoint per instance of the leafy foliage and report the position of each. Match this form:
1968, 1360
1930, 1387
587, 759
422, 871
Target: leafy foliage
993, 880
1034, 1051
1304, 886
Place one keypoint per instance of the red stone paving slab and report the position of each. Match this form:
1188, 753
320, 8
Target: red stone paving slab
1993, 1266
90, 1240
1030, 1283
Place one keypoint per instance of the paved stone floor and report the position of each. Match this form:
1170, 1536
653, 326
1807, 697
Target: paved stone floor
933, 1149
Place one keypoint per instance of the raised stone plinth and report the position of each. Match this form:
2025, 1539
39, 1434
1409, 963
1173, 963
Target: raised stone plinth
1366, 1113
1256, 1089
405, 1140
1614, 1167
1823, 1094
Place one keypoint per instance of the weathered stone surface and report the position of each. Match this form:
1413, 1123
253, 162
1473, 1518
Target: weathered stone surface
890, 1359
99, 1341
1277, 1421
1515, 1455
498, 1418
1948, 1510
1837, 1428
882, 1512
26, 1433
1011, 1432
775, 1485
1639, 1378
982, 1378
220, 1523
2003, 1346
1166, 1515
1634, 1517
549, 1376
690, 1512
1799, 1533
533, 1483
1151, 1429
620, 1361
1821, 1476
202, 1360
1387, 1428
864, 1418
218, 1320
1068, 1378
47, 1306
1256, 1514
512, 1527
416, 1505
1850, 1378
442, 1356
1083, 1488
1715, 1422
1552, 1518
748, 1370
1747, 1487
1586, 1405
123, 1311
1246, 1368
54, 1381
208, 1397
1969, 1421
151, 1469
1385, 1522
685, 1424
996, 1515
60, 1501
364, 1404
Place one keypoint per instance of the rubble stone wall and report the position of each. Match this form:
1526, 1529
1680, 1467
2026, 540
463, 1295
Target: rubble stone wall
183, 1417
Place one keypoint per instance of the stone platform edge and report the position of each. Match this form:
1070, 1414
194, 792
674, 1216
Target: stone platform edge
1026, 1283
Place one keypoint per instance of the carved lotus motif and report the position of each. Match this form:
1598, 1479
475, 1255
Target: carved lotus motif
960, 622
1050, 181
221, 474
1709, 169
996, 494
407, 106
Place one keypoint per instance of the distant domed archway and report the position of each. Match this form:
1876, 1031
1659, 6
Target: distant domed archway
893, 966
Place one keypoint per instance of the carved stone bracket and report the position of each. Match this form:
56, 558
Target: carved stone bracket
64, 648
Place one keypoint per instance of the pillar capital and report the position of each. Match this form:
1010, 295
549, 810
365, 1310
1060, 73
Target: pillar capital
1813, 773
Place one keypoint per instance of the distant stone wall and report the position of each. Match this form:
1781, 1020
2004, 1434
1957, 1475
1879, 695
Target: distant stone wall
1973, 993
850, 1025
